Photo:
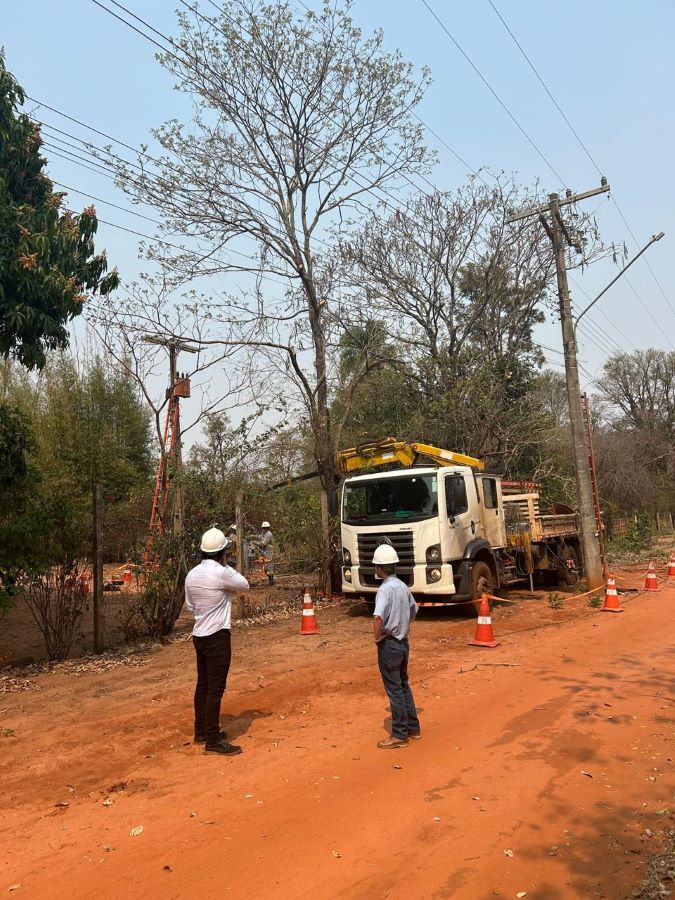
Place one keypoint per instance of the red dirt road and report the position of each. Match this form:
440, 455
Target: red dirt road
545, 770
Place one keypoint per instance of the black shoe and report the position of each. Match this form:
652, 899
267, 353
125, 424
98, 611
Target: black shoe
224, 748
201, 739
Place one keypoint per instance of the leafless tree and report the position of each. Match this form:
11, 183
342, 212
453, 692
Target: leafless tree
124, 323
640, 388
453, 272
299, 119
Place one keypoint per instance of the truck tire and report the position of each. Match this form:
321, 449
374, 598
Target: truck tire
482, 580
569, 574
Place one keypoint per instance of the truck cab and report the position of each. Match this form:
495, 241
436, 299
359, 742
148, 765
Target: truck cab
437, 519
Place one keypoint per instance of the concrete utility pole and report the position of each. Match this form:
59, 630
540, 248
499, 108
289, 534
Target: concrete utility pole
559, 234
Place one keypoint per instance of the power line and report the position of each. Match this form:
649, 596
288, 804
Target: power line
370, 190
545, 87
173, 44
601, 313
428, 127
583, 147
493, 92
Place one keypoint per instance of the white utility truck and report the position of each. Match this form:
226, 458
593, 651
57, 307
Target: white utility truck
458, 531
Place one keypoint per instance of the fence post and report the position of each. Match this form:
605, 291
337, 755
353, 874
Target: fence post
98, 568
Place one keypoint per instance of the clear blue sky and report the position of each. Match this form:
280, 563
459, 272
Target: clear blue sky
609, 63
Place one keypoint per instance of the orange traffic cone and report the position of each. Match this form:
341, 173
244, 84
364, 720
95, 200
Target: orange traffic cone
611, 597
128, 574
484, 634
308, 624
651, 581
671, 566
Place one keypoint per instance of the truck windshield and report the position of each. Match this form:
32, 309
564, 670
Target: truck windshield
390, 500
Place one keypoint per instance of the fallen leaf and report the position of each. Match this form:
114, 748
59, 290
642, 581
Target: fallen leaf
193, 814
14, 887
509, 853
587, 774
437, 818
168, 868
108, 801
521, 894
336, 854
136, 831
107, 848
247, 796
397, 767
475, 798
660, 812
62, 803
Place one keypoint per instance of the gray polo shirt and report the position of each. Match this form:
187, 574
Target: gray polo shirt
395, 605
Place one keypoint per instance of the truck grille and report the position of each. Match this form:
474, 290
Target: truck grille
367, 576
401, 541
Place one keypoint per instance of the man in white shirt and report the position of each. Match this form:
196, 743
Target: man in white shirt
208, 597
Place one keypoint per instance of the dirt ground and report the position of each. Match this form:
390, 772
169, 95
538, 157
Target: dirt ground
545, 768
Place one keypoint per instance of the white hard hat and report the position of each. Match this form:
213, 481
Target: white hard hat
213, 541
385, 555
265, 525
233, 527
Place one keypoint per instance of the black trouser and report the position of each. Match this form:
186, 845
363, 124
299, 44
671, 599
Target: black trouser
392, 659
214, 654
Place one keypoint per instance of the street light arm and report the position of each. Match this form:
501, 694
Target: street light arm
654, 238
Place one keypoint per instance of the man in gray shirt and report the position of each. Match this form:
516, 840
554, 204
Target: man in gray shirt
267, 551
395, 609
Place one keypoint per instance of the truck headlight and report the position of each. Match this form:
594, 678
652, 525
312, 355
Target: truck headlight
346, 557
347, 574
434, 553
433, 575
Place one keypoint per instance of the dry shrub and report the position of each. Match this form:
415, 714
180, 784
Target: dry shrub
57, 601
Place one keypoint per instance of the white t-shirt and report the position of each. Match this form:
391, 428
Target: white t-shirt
208, 597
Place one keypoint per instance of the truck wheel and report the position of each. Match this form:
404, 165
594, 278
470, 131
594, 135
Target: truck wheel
482, 580
569, 564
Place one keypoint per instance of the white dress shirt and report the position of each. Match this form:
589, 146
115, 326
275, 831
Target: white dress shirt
208, 597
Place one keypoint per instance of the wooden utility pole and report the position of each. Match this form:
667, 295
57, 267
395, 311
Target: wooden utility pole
239, 522
559, 235
98, 568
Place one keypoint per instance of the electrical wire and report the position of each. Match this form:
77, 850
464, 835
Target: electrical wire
428, 127
493, 92
588, 334
583, 147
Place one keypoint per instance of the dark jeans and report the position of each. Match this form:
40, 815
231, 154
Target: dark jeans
392, 658
214, 654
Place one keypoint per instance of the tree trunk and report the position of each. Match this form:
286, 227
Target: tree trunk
325, 551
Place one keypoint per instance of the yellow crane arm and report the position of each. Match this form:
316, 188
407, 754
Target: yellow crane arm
389, 450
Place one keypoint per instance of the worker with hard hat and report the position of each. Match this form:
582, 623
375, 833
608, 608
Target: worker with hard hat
208, 596
232, 543
266, 546
395, 609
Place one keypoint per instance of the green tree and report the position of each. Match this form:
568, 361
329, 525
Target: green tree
47, 259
